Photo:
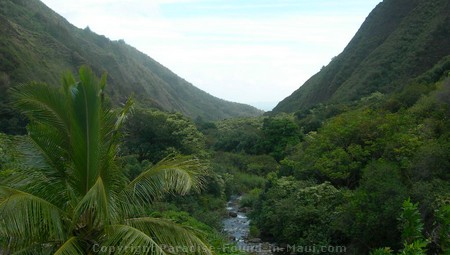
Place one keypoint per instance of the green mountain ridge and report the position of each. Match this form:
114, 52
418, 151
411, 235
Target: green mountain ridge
399, 42
37, 44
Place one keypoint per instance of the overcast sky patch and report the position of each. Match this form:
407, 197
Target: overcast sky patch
252, 51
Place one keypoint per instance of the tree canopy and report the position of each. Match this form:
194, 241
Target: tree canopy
69, 195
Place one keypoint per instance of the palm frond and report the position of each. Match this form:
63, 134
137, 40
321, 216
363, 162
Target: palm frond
49, 144
68, 82
70, 192
175, 237
43, 104
70, 247
113, 176
85, 129
27, 218
94, 209
179, 174
34, 172
115, 133
127, 240
35, 248
36, 183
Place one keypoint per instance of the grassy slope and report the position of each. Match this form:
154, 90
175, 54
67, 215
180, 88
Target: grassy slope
38, 44
399, 40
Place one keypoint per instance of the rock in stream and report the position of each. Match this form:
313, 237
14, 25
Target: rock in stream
237, 227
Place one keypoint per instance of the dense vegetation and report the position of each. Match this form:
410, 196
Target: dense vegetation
344, 182
366, 171
39, 45
398, 42
363, 175
66, 193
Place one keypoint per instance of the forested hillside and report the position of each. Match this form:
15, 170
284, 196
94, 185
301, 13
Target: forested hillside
356, 162
346, 173
37, 44
398, 42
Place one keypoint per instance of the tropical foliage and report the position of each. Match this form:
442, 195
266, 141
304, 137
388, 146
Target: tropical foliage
299, 212
153, 135
375, 156
360, 160
412, 227
69, 195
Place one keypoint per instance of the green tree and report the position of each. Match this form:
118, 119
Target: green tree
410, 222
279, 133
346, 143
411, 225
153, 135
299, 212
70, 195
373, 208
443, 227
239, 135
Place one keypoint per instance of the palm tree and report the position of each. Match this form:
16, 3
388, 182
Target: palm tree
69, 194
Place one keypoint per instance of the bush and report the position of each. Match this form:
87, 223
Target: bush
373, 208
298, 212
250, 199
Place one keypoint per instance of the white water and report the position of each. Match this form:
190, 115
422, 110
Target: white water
238, 228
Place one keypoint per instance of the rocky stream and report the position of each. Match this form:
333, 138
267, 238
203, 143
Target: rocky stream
237, 227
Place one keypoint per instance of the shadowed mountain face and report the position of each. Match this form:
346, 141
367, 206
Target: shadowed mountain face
37, 44
399, 41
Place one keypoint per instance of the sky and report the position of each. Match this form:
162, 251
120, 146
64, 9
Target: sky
249, 51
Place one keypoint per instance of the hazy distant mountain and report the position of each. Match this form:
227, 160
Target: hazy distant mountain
399, 41
38, 44
264, 105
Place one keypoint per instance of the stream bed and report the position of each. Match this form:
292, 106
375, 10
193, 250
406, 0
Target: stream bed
237, 227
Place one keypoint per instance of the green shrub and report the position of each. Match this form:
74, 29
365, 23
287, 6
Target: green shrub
250, 199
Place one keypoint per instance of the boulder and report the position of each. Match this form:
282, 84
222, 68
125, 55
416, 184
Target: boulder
233, 214
254, 240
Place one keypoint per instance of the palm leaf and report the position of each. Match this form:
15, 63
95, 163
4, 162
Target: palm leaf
35, 248
95, 209
48, 143
114, 131
85, 129
70, 247
35, 173
112, 175
36, 183
178, 174
72, 159
27, 218
42, 104
171, 234
127, 240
